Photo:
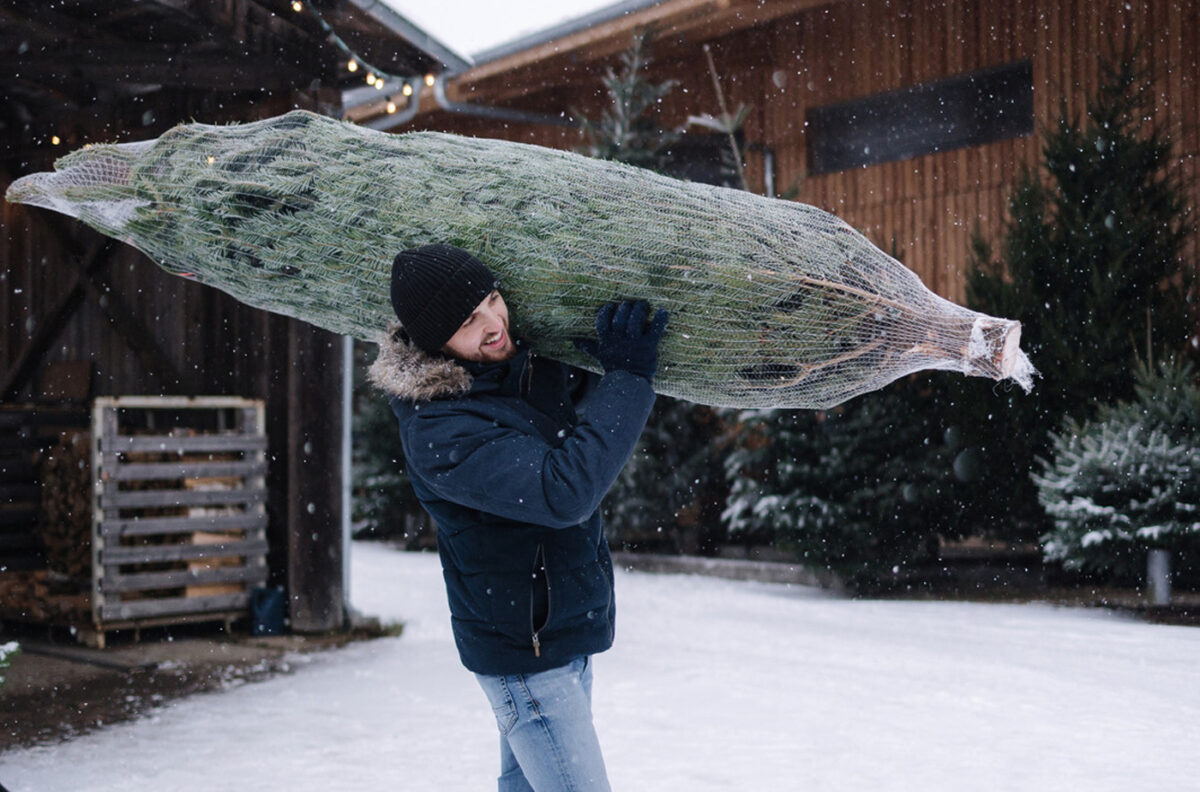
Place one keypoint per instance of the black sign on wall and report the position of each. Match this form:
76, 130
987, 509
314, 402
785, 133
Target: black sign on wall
964, 110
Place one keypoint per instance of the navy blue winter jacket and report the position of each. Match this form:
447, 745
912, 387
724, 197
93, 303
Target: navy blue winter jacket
512, 461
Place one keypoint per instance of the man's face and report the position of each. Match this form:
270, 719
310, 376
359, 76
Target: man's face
483, 337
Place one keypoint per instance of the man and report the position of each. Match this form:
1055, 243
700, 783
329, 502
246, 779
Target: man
512, 454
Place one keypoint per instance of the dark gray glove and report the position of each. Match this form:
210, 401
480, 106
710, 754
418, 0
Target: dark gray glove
624, 342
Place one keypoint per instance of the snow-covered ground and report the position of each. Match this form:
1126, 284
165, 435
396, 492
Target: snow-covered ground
713, 685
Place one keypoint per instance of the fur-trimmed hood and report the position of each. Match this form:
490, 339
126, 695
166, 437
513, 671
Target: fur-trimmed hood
404, 370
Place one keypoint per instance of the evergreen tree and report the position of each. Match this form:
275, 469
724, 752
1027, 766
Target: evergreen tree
774, 472
1090, 258
669, 494
384, 505
8, 653
627, 131
1127, 481
853, 489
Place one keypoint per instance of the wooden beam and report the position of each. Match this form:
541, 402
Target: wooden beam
314, 491
18, 374
256, 27
48, 25
137, 335
204, 65
132, 330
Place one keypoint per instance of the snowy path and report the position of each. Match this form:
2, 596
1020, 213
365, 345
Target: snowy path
713, 685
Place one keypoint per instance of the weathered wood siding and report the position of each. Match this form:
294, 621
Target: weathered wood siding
213, 343
931, 204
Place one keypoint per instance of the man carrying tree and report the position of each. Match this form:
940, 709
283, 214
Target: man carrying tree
511, 454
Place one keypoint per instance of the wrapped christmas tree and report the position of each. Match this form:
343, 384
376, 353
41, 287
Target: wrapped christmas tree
772, 303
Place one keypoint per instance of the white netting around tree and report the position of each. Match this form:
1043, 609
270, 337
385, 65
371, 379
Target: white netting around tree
773, 303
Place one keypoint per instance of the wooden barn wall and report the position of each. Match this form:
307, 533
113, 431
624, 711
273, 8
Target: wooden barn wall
926, 207
931, 204
212, 345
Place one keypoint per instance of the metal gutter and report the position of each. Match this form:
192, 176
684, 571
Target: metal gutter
497, 113
563, 29
418, 37
567, 28
392, 120
392, 19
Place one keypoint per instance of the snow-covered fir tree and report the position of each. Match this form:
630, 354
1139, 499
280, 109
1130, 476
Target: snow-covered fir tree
8, 653
1092, 248
850, 489
384, 504
1127, 481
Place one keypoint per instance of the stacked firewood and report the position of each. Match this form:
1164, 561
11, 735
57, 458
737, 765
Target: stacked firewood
66, 510
44, 596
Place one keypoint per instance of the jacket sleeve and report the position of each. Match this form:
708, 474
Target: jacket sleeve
466, 457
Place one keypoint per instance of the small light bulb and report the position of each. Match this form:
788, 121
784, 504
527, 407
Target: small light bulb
391, 106
55, 140
297, 6
352, 65
211, 159
370, 79
407, 90
429, 80
379, 84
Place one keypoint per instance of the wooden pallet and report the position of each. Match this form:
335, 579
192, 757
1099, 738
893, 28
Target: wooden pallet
178, 513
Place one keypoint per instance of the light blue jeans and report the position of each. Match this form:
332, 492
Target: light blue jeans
547, 740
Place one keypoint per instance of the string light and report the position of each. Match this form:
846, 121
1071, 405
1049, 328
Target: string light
55, 140
375, 77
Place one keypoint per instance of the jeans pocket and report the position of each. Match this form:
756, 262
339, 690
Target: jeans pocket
503, 706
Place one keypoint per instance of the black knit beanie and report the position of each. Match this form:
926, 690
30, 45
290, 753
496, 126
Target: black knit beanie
434, 289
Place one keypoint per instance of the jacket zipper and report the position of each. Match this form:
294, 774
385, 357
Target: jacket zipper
526, 379
609, 588
539, 566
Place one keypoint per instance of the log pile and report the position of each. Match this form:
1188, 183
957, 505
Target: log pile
45, 597
66, 506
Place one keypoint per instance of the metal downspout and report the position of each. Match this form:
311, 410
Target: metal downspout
389, 120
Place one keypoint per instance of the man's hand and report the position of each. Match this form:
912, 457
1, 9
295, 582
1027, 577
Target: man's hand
623, 340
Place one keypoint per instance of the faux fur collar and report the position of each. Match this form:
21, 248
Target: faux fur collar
405, 370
